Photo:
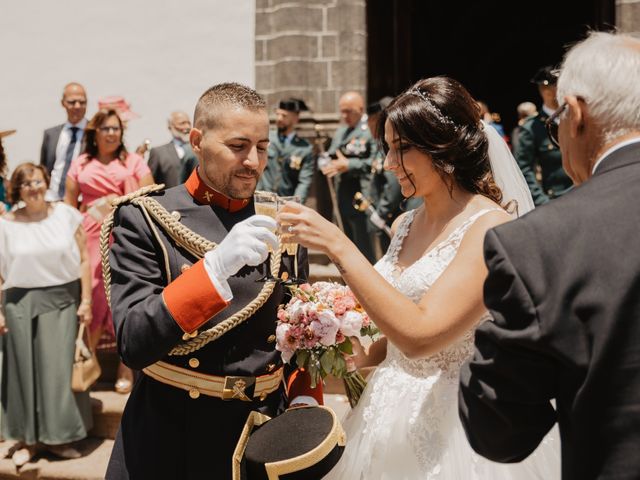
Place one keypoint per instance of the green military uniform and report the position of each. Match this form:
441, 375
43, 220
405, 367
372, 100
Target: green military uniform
290, 166
357, 145
534, 149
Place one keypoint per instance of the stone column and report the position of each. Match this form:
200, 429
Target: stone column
312, 49
628, 15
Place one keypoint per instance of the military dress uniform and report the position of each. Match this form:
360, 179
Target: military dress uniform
290, 166
174, 428
357, 145
534, 149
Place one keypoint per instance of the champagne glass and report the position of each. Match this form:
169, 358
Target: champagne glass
289, 247
266, 203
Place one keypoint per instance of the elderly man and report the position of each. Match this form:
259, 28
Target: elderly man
188, 408
168, 161
352, 152
564, 288
62, 143
290, 166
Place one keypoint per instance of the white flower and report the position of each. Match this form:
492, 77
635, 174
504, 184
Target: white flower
326, 327
351, 324
283, 343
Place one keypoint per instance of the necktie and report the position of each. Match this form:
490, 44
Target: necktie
67, 160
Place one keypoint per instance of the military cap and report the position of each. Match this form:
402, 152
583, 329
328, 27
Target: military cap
293, 105
302, 443
378, 106
546, 76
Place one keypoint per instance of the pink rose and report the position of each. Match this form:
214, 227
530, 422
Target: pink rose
326, 327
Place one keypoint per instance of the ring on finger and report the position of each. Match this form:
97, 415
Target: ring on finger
290, 229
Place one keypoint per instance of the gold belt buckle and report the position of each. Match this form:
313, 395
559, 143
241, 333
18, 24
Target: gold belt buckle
239, 388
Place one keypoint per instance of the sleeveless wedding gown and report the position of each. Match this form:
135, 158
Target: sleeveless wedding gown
406, 424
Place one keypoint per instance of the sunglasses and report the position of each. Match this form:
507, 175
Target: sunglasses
552, 125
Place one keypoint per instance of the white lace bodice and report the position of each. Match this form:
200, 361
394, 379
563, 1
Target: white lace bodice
414, 281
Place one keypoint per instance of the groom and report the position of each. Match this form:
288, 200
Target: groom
566, 302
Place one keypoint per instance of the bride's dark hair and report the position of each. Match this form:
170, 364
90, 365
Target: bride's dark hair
439, 117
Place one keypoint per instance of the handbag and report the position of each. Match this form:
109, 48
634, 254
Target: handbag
86, 368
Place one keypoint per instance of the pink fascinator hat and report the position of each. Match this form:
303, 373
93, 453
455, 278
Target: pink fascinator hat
120, 105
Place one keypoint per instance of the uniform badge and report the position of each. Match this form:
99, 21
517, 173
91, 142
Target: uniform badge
295, 162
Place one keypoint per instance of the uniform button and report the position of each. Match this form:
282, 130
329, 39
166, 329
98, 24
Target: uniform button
194, 362
185, 267
270, 367
185, 336
194, 393
271, 339
550, 147
263, 396
176, 215
193, 334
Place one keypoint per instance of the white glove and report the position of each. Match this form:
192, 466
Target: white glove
377, 220
247, 243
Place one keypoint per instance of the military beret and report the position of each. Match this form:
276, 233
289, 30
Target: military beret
546, 76
302, 443
378, 106
293, 105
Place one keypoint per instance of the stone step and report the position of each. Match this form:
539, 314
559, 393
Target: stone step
107, 409
317, 257
324, 273
45, 466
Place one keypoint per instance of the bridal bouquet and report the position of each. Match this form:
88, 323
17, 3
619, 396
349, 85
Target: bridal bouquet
315, 326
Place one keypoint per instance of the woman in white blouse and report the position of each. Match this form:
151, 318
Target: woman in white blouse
46, 291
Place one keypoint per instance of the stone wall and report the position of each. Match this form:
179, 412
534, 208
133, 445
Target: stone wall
311, 49
628, 15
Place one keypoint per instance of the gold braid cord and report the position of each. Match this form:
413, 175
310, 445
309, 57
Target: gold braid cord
197, 246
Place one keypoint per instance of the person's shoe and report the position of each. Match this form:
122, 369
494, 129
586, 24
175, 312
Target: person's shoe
123, 385
23, 455
64, 451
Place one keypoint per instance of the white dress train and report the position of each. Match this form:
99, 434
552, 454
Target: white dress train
406, 424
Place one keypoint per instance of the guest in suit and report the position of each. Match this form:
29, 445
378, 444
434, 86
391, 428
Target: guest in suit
61, 143
290, 166
564, 288
166, 162
163, 296
352, 152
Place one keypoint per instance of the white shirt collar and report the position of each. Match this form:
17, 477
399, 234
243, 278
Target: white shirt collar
617, 146
80, 125
547, 110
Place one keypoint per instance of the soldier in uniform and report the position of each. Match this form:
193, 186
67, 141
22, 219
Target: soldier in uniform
352, 153
290, 166
186, 411
534, 149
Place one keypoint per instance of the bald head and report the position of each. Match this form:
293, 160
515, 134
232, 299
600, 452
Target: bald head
74, 101
351, 106
179, 125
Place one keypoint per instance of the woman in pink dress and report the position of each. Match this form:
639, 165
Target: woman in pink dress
104, 171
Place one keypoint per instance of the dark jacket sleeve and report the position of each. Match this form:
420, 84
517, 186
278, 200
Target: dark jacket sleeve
505, 390
389, 203
145, 329
525, 154
305, 177
43, 151
154, 166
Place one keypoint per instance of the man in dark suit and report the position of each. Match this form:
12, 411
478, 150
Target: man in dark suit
167, 161
290, 166
187, 410
534, 152
352, 153
564, 288
62, 143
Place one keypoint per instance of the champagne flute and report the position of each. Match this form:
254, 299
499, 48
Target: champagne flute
290, 248
266, 203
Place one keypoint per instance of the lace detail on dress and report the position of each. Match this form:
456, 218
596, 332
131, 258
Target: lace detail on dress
429, 384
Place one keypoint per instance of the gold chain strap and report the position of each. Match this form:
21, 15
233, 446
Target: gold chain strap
197, 246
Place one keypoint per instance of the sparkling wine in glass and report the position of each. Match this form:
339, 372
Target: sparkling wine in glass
290, 247
266, 203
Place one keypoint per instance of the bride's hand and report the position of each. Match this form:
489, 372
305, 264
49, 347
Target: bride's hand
300, 224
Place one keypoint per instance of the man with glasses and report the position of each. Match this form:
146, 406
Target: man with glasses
539, 159
62, 143
563, 288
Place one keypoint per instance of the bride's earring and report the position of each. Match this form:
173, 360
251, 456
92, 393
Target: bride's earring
448, 169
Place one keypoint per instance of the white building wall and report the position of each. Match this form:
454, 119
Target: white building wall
159, 54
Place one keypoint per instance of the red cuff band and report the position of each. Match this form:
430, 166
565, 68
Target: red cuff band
192, 299
299, 383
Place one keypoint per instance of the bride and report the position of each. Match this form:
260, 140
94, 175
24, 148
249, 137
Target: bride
425, 294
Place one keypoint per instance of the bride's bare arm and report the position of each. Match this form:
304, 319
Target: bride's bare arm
376, 353
449, 308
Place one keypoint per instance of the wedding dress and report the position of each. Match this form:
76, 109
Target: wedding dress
406, 425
